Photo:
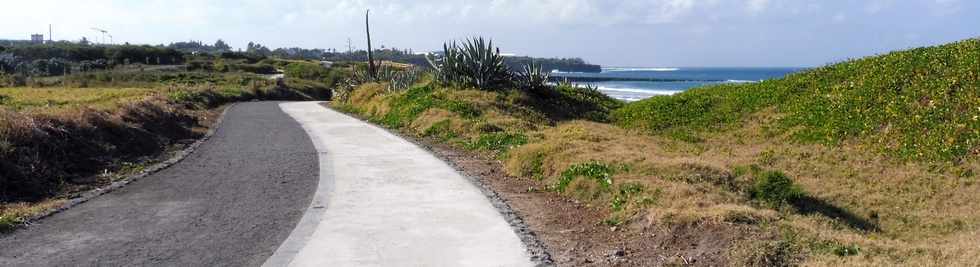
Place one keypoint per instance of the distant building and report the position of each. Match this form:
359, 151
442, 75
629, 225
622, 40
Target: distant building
37, 38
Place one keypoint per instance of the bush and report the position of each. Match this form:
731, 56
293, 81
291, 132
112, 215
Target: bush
258, 68
500, 142
598, 171
531, 77
475, 63
305, 70
774, 188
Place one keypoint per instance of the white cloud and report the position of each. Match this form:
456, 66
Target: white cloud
945, 7
757, 6
839, 18
573, 27
875, 6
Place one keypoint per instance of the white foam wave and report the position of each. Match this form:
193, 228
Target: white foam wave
634, 94
740, 81
639, 69
565, 72
639, 91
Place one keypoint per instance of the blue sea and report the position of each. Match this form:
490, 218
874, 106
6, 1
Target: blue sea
633, 84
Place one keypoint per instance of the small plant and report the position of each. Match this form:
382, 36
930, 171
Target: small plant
595, 170
531, 77
627, 192
774, 188
846, 250
464, 109
399, 80
440, 129
500, 142
8, 223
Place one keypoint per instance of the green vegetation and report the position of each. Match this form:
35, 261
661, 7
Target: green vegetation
531, 77
29, 99
868, 162
64, 133
915, 104
594, 170
474, 63
306, 70
498, 141
775, 189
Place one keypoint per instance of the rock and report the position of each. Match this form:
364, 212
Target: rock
617, 252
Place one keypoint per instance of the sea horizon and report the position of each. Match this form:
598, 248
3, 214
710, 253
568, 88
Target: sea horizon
637, 83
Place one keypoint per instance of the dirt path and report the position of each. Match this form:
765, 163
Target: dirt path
230, 203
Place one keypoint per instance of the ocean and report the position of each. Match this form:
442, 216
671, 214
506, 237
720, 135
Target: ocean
633, 84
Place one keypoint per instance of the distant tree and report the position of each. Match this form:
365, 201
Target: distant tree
221, 46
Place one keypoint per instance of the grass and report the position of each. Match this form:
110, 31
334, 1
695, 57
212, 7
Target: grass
54, 139
54, 99
775, 189
12, 214
867, 162
920, 104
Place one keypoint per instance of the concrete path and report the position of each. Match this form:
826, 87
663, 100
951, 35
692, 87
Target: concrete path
382, 201
230, 203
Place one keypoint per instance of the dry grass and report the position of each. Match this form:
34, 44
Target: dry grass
861, 207
921, 214
12, 213
53, 141
56, 99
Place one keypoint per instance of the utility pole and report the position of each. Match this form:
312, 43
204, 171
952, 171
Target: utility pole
104, 32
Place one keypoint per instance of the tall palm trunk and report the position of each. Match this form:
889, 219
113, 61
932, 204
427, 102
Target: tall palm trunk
372, 71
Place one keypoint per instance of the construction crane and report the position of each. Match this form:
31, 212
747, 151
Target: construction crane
104, 33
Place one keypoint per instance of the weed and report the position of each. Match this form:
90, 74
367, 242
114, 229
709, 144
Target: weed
846, 250
775, 188
600, 172
627, 192
8, 223
464, 109
500, 142
441, 129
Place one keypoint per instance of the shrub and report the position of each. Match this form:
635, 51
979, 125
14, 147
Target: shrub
258, 68
475, 63
774, 188
306, 70
500, 142
531, 77
597, 171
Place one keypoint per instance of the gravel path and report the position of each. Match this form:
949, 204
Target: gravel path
230, 203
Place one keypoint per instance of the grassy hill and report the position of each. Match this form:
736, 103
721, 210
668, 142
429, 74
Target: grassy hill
870, 161
60, 135
918, 104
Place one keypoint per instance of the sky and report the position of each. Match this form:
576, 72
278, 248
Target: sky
648, 33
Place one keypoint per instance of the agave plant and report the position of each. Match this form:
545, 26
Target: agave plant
531, 77
400, 80
473, 63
